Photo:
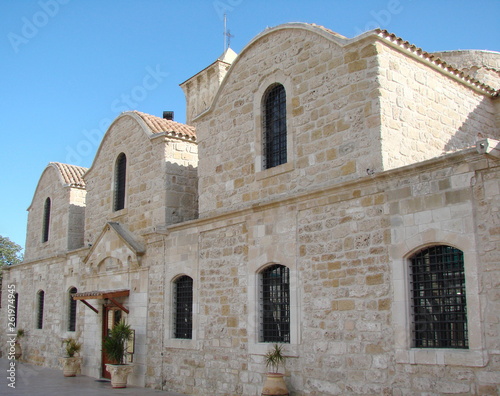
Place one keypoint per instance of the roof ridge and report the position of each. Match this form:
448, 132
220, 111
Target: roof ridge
72, 175
172, 128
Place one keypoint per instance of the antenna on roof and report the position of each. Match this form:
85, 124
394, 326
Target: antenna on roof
227, 35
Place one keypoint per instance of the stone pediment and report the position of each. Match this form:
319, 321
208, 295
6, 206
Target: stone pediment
115, 249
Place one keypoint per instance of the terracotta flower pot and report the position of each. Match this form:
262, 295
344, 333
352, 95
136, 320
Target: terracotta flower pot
275, 385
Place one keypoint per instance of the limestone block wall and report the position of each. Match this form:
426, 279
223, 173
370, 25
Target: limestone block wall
55, 276
332, 119
347, 249
76, 218
426, 113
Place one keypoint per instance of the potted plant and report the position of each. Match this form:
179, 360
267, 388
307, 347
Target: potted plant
275, 384
71, 363
115, 346
18, 350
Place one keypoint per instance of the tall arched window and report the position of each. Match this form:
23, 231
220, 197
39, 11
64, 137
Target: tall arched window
39, 319
275, 304
72, 310
120, 182
275, 135
16, 305
438, 298
183, 307
46, 220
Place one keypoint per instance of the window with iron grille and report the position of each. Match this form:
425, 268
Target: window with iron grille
275, 304
183, 307
16, 304
39, 321
438, 297
120, 182
46, 220
72, 310
275, 127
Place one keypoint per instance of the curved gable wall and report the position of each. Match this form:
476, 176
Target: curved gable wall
128, 135
332, 118
67, 214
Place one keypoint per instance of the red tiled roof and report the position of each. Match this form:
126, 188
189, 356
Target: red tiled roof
159, 125
72, 175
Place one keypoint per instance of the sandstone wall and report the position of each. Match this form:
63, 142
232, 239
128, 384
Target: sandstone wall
332, 119
426, 113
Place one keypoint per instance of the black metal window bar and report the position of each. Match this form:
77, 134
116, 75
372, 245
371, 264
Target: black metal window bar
72, 310
46, 220
183, 308
41, 297
275, 304
275, 127
439, 300
120, 179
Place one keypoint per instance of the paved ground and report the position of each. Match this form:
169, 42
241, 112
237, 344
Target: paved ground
31, 380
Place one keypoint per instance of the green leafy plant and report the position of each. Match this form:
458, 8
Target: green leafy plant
72, 346
115, 343
275, 357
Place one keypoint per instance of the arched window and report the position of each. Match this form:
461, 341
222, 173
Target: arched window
438, 298
120, 182
46, 220
183, 307
16, 304
275, 135
72, 310
275, 304
39, 319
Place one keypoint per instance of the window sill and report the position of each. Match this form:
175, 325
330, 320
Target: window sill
276, 170
448, 357
119, 213
181, 343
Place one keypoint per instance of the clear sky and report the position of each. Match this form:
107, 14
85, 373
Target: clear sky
69, 67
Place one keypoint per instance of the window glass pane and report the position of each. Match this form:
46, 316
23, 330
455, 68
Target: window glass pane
183, 308
438, 297
275, 304
275, 127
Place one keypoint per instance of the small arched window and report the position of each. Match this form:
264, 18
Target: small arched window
275, 304
438, 298
46, 220
275, 134
72, 310
183, 307
39, 319
120, 182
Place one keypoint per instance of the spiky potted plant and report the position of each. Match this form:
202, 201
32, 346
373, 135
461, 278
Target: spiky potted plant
115, 346
70, 362
18, 349
275, 384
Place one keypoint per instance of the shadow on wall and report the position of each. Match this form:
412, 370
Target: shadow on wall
473, 129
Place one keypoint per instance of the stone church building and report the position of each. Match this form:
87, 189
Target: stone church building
340, 196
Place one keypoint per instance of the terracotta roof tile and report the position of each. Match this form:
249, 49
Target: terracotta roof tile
72, 175
159, 125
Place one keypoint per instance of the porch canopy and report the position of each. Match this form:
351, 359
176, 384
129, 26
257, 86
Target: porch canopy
110, 295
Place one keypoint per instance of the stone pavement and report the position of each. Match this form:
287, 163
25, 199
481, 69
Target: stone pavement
32, 380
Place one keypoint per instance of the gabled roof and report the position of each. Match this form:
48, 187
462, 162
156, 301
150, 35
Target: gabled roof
71, 175
159, 125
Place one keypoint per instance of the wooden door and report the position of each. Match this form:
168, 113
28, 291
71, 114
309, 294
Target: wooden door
111, 316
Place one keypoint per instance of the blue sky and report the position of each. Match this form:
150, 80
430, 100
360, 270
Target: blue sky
69, 67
